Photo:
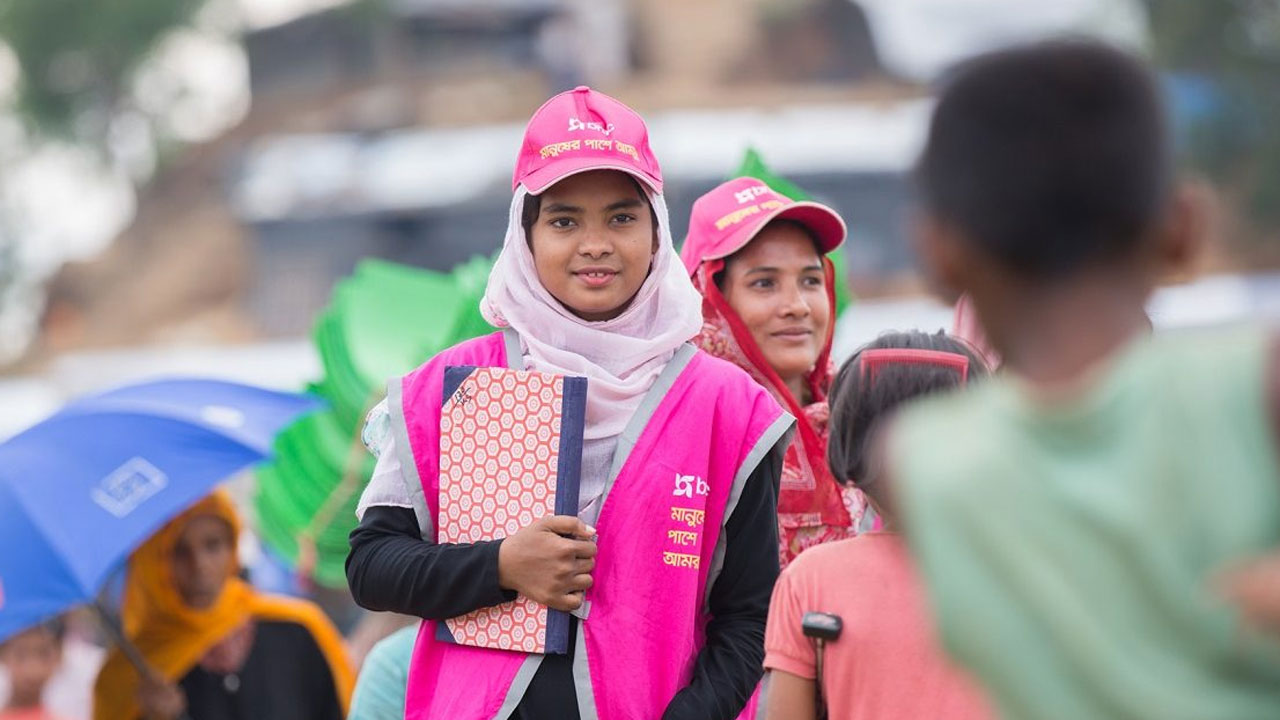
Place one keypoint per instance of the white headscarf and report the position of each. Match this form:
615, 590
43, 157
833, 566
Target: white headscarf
621, 358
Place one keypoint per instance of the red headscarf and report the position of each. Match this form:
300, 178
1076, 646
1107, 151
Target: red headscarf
812, 508
809, 496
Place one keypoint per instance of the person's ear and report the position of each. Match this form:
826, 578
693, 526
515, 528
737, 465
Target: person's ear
942, 255
1183, 232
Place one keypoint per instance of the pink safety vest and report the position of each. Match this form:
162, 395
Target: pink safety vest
677, 474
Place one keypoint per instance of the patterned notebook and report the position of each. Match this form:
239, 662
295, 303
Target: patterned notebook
510, 453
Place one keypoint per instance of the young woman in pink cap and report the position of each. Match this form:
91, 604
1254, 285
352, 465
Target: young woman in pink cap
760, 261
669, 564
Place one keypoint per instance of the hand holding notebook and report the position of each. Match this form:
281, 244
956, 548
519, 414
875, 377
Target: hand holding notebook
510, 458
549, 562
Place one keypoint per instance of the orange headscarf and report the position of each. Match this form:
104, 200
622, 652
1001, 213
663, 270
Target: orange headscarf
173, 636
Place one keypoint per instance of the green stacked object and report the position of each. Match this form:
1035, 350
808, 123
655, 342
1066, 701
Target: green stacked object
753, 166
382, 321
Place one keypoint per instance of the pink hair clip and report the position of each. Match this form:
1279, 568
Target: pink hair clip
873, 360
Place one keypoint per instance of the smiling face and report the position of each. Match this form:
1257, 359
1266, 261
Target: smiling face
777, 286
203, 560
593, 240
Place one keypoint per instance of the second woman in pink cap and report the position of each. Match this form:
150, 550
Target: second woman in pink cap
760, 261
670, 560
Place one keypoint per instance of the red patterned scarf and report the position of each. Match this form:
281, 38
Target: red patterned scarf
809, 495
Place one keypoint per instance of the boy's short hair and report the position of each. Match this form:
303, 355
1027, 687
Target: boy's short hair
1051, 157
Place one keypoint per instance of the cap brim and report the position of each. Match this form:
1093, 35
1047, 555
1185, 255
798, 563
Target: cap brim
544, 177
827, 227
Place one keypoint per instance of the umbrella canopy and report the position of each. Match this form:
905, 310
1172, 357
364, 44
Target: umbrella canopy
80, 490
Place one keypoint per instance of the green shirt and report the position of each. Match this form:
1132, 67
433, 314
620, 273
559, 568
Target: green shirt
1068, 548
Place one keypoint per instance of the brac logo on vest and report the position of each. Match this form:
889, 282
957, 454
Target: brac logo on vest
687, 485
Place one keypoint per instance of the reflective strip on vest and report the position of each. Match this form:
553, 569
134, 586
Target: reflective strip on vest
626, 443
408, 465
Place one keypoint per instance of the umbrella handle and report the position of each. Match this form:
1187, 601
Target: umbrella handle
131, 653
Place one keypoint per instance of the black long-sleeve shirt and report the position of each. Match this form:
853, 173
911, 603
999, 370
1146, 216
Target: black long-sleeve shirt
391, 568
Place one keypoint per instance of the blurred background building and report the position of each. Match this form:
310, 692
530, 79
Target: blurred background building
184, 181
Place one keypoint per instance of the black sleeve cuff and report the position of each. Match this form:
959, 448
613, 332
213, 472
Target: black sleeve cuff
497, 594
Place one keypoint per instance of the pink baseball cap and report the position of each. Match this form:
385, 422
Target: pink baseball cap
580, 130
729, 216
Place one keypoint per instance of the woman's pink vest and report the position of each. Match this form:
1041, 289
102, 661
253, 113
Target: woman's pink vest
678, 472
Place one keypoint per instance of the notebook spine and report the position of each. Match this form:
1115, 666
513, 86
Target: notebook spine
573, 412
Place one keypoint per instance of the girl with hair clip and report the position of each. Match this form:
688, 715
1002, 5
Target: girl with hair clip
588, 284
886, 662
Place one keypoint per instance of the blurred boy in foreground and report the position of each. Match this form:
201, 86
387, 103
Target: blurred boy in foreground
1072, 518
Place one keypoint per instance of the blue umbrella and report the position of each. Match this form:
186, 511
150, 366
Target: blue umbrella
82, 489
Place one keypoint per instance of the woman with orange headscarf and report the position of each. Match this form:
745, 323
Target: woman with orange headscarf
215, 647
760, 261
